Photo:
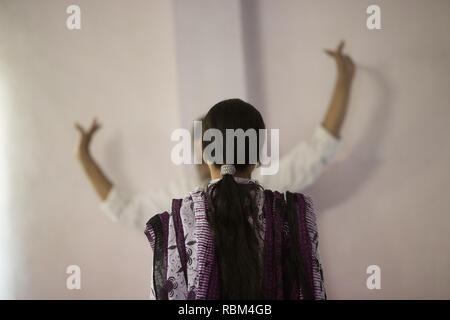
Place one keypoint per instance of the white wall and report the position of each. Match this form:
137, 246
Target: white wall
210, 54
385, 200
147, 67
121, 67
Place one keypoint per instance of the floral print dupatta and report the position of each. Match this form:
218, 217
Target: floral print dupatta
185, 264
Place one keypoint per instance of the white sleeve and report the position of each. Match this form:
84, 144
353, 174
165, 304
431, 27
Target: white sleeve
135, 211
303, 164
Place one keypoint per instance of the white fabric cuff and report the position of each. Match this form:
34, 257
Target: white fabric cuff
326, 143
113, 204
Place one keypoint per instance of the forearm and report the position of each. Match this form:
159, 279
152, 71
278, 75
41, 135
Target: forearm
98, 179
338, 107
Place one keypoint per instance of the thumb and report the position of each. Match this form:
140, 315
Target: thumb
79, 128
329, 52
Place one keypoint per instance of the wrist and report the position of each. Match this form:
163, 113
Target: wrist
83, 153
344, 81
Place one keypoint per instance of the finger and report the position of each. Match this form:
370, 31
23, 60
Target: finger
330, 52
97, 125
79, 128
337, 57
95, 129
94, 125
340, 47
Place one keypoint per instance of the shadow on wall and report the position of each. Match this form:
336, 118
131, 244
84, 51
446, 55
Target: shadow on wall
114, 160
251, 37
343, 179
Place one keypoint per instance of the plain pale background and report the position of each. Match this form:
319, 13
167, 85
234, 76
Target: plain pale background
145, 68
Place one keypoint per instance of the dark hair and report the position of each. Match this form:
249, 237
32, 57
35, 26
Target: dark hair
232, 204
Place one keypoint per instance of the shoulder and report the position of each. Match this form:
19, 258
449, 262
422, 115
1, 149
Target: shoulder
183, 205
192, 200
288, 196
297, 203
161, 224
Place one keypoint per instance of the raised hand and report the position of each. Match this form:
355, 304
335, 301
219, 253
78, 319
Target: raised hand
86, 136
95, 174
339, 101
345, 65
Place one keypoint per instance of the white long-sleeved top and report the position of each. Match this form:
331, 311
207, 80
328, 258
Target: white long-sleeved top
300, 167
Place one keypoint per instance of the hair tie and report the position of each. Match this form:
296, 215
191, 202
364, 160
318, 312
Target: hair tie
227, 169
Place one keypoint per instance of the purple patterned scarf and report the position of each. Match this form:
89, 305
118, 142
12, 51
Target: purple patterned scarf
185, 264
